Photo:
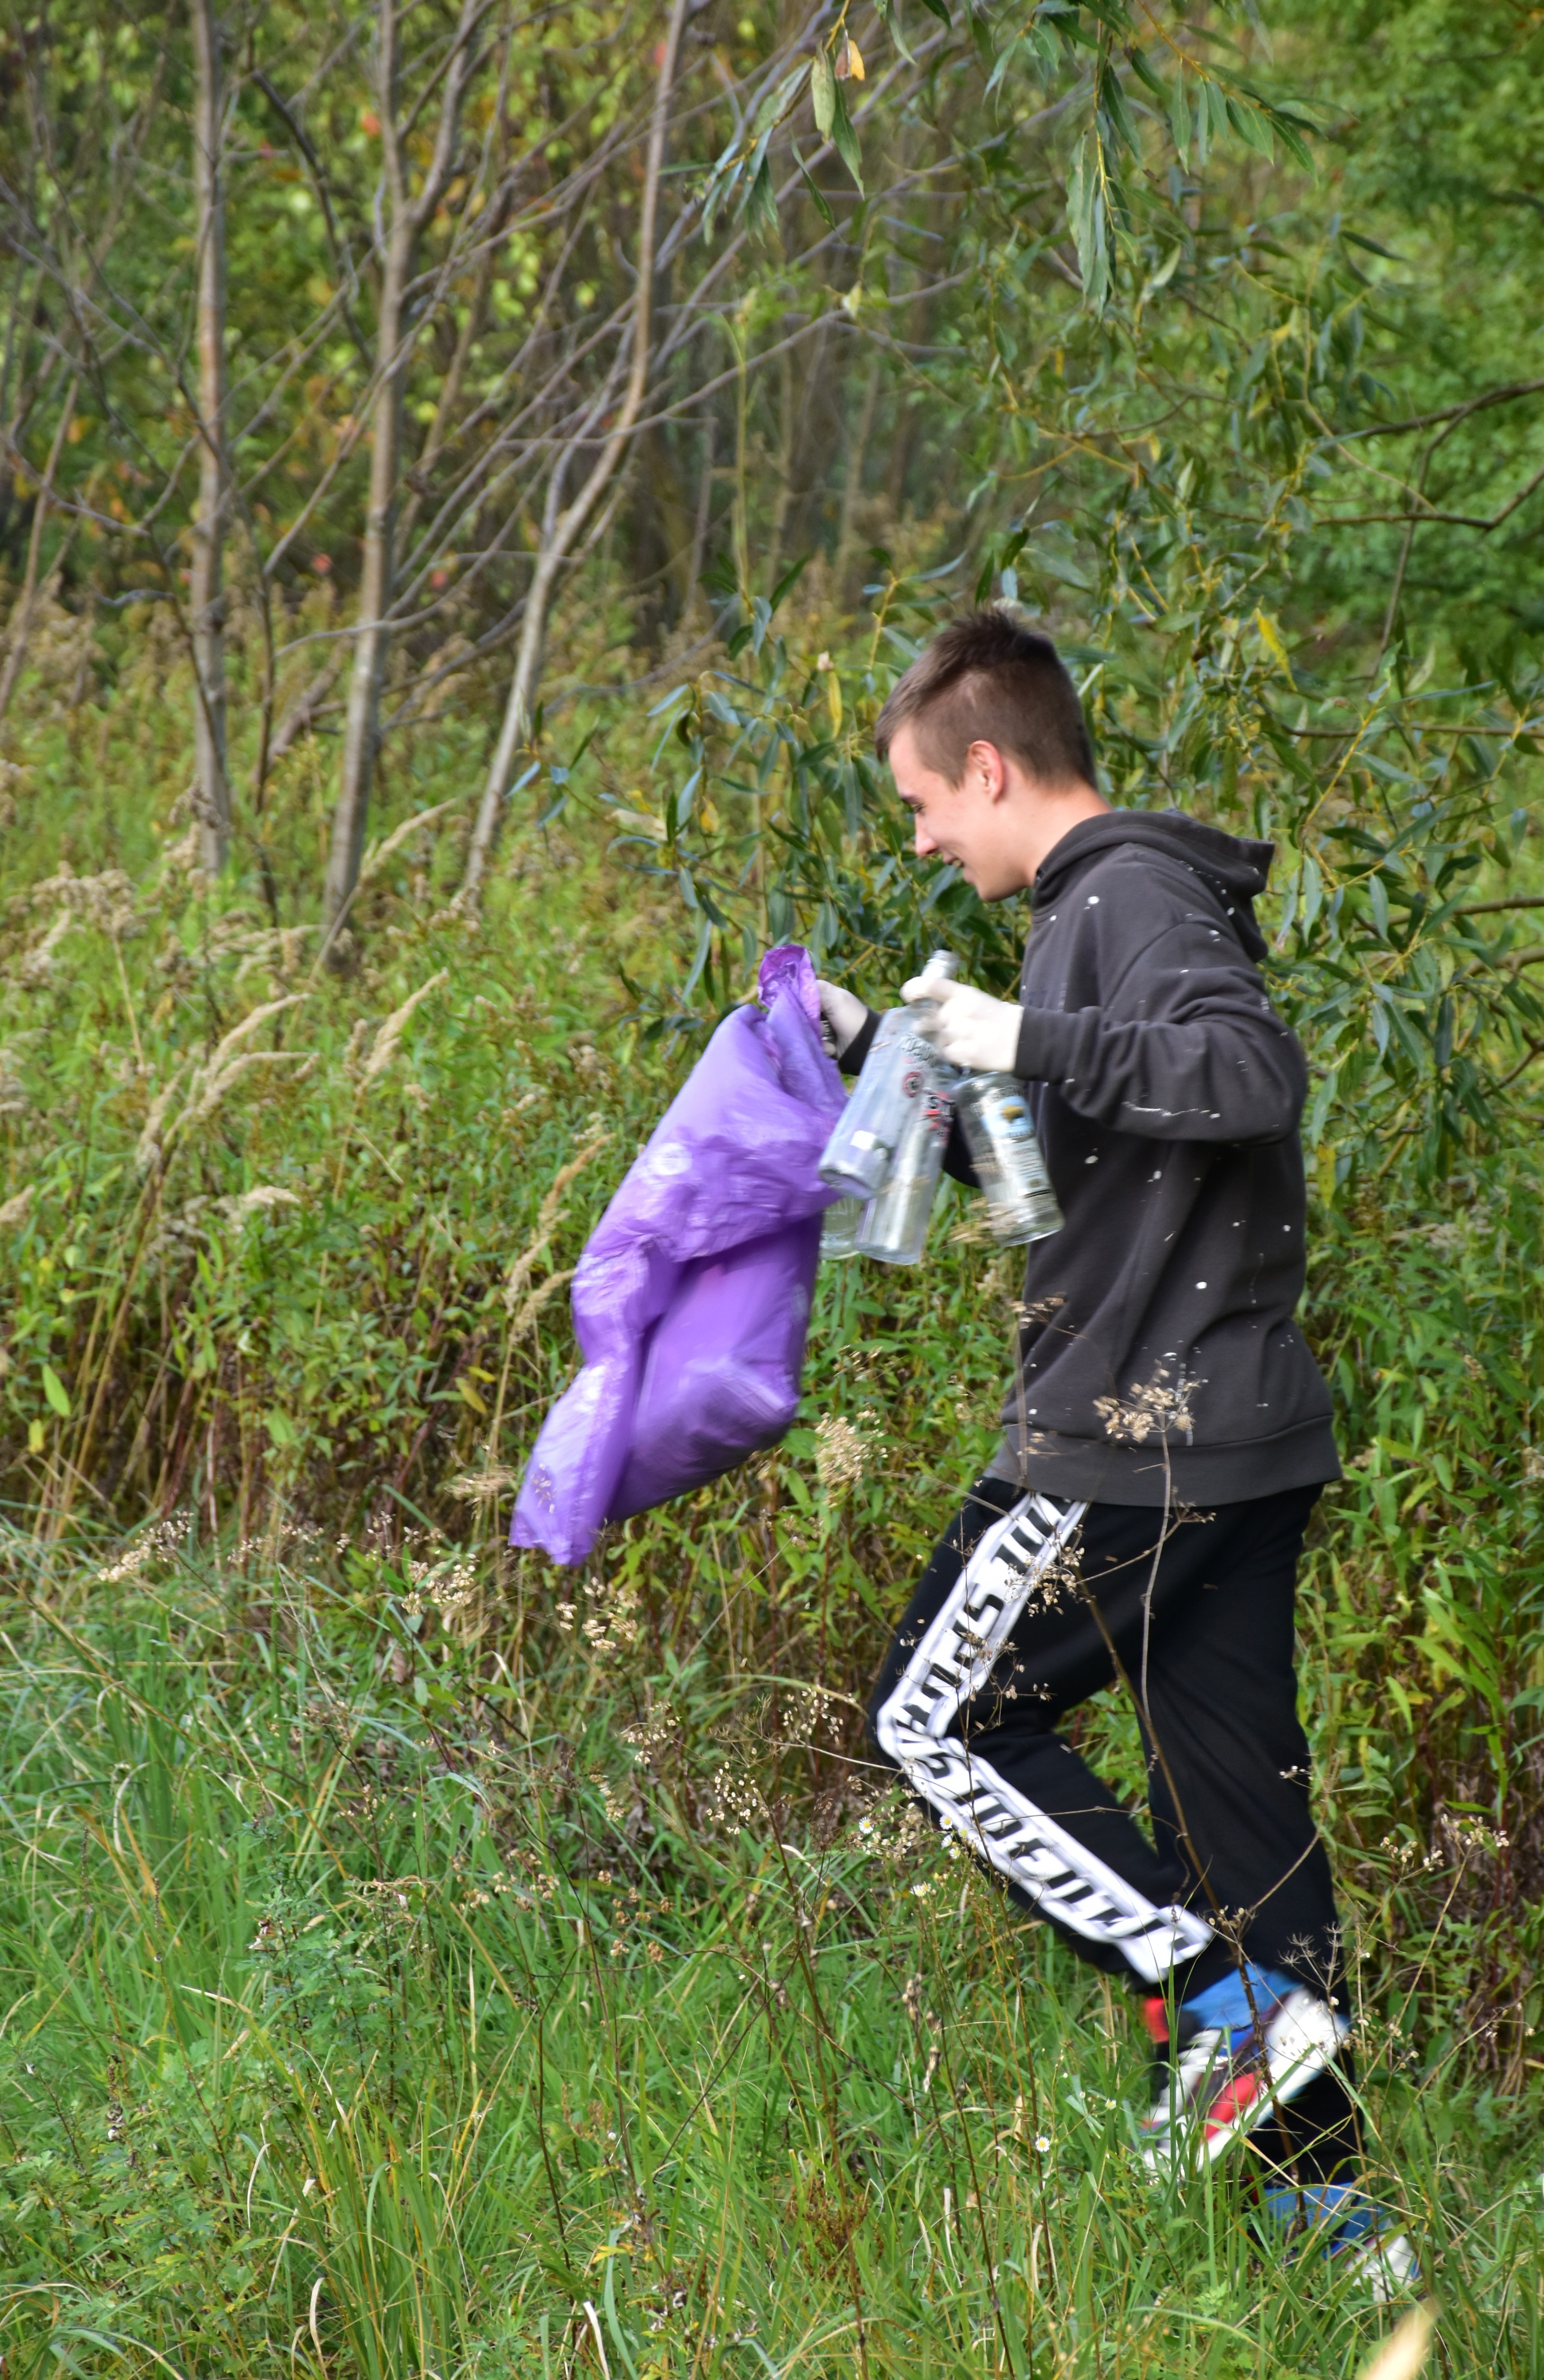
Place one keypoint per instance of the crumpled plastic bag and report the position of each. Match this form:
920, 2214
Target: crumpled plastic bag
691, 1300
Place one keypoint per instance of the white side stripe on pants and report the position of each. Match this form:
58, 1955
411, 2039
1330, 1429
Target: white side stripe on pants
953, 1661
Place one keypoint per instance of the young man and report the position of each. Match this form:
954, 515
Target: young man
1163, 1442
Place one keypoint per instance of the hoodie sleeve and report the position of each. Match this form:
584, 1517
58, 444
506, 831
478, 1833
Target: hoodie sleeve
1184, 1044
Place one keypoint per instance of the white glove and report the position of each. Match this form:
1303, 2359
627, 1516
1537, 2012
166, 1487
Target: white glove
966, 1028
843, 1018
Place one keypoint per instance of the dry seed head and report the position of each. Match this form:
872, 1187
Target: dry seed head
104, 900
249, 1025
385, 1044
842, 1451
478, 1486
548, 1216
521, 1320
377, 856
449, 1588
14, 1212
211, 1087
1153, 1411
38, 965
257, 1202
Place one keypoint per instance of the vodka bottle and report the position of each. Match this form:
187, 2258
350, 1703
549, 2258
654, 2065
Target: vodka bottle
894, 1226
1000, 1134
899, 1074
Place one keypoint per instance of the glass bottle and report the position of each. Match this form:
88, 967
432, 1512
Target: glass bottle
1000, 1134
839, 1228
898, 1074
894, 1226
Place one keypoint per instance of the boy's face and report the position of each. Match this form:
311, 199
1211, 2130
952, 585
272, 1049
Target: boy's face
980, 823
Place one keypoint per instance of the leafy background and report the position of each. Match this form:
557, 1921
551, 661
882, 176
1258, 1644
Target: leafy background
419, 1959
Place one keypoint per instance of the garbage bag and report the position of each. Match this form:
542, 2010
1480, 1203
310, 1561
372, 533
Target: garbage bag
691, 1300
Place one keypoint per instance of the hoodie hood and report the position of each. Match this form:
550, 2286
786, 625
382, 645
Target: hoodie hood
1236, 867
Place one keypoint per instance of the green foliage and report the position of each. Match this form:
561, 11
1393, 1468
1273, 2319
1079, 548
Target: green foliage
315, 1863
408, 2046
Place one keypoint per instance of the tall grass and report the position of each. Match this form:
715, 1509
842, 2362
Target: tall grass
343, 2037
423, 1962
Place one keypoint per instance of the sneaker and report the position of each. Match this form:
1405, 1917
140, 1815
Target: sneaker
1351, 2231
1223, 2080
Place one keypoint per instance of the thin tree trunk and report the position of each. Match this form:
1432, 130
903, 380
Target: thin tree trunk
372, 644
704, 516
393, 345
851, 487
20, 627
361, 733
207, 602
782, 501
559, 529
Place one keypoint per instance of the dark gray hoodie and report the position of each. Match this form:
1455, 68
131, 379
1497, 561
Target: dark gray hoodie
1159, 1357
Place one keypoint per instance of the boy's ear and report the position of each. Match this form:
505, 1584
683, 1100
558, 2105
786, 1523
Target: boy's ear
986, 758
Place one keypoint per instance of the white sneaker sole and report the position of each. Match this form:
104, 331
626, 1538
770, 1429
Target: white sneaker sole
1301, 2038
1386, 2267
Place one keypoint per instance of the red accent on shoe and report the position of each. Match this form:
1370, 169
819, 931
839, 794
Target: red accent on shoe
1231, 2104
1155, 2016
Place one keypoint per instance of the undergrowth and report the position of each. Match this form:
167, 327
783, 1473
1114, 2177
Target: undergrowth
420, 1960
507, 2031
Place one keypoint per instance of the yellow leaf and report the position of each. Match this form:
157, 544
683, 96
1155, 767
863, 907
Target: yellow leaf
640, 823
854, 60
1270, 638
470, 1395
833, 702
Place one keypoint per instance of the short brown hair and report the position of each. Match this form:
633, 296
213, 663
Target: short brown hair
988, 679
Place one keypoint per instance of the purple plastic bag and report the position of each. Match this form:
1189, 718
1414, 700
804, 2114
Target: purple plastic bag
692, 1299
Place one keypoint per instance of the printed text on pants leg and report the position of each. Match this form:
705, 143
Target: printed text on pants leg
951, 1662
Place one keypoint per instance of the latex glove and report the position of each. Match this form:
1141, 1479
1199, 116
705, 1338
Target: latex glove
967, 1027
843, 1018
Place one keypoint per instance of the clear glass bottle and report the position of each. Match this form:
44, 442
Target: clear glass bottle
898, 1074
894, 1226
839, 1228
1000, 1134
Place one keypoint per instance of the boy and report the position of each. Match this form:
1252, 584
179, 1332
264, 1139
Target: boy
1164, 1441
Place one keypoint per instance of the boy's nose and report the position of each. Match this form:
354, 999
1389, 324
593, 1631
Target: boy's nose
924, 845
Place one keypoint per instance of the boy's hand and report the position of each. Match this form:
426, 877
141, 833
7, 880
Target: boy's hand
843, 1018
968, 1028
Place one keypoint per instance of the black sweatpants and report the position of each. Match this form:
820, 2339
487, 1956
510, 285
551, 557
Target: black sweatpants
1030, 1604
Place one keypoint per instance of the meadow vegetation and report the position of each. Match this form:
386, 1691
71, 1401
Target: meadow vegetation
418, 1960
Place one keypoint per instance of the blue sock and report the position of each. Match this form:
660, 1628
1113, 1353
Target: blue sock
1227, 2003
1337, 2211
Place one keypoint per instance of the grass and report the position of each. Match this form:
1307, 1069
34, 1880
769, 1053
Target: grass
418, 1961
354, 2030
